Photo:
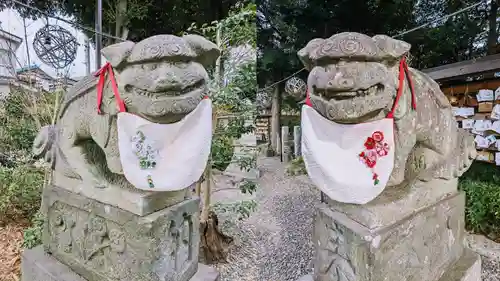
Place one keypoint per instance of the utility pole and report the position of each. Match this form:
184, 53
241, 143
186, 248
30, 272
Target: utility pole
98, 35
87, 55
27, 50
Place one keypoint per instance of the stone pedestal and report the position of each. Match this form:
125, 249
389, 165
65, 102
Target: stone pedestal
297, 150
86, 239
413, 235
285, 146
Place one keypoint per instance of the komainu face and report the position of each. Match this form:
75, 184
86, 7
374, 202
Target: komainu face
353, 77
163, 76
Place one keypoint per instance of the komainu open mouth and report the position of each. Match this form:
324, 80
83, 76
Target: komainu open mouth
194, 88
342, 95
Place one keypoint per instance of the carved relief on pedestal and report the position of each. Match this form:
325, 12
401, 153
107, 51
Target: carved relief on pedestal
182, 235
88, 239
176, 254
333, 257
107, 250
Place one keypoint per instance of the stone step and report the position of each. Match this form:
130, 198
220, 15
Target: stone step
467, 268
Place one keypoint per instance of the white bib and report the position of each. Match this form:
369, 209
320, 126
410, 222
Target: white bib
349, 163
165, 157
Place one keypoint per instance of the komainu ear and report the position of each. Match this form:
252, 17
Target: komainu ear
206, 51
390, 48
305, 53
116, 54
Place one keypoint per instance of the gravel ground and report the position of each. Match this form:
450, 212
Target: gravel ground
491, 269
274, 243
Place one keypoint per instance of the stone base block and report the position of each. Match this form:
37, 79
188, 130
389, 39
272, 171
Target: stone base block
36, 265
101, 242
468, 268
421, 246
394, 204
139, 202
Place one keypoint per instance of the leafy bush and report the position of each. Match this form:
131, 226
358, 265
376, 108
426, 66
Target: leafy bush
20, 192
33, 234
481, 184
21, 116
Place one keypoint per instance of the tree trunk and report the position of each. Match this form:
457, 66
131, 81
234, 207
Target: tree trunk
121, 12
275, 118
213, 242
213, 246
492, 23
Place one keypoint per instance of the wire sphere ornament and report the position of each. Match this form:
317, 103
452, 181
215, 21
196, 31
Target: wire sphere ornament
263, 100
296, 88
55, 46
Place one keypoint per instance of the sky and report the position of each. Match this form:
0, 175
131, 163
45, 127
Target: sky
12, 22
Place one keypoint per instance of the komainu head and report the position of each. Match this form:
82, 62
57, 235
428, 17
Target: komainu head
163, 75
353, 77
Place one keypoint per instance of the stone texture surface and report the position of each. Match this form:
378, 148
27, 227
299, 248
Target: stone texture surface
40, 266
356, 81
206, 273
153, 84
396, 203
467, 268
103, 243
139, 202
297, 151
36, 265
483, 246
419, 247
285, 146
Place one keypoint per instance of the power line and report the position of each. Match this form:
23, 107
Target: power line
440, 19
282, 80
398, 35
67, 21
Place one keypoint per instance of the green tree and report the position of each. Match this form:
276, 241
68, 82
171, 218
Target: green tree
233, 94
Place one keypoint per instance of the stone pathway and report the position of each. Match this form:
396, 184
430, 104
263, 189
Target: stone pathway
274, 243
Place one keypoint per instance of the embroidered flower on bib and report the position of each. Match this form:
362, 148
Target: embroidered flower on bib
375, 147
370, 143
144, 151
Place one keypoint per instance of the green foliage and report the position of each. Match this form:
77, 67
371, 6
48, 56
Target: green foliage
20, 192
247, 186
238, 28
481, 186
22, 115
296, 167
242, 209
33, 234
222, 152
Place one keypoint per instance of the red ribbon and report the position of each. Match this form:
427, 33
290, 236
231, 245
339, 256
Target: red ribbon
403, 71
100, 87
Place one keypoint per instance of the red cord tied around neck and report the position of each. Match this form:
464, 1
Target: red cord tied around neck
404, 71
100, 87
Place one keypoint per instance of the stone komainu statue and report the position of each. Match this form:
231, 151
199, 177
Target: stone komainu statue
161, 79
354, 79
